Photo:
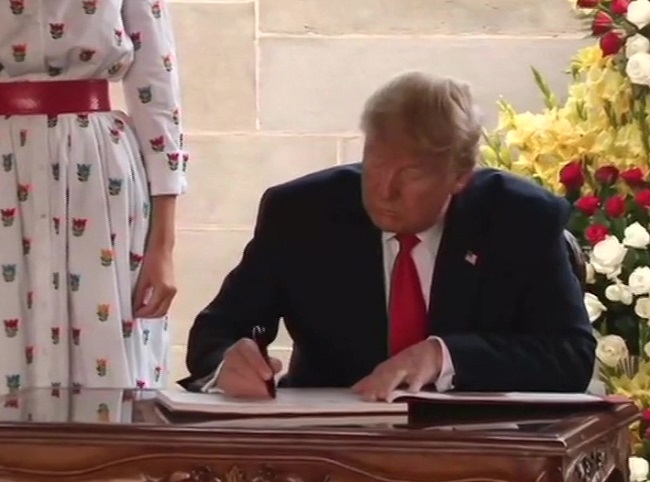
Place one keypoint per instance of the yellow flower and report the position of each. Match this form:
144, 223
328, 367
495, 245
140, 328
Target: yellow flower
590, 57
598, 122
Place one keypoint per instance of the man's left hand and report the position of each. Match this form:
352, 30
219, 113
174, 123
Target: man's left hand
415, 366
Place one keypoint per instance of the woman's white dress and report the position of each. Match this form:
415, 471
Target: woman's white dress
75, 194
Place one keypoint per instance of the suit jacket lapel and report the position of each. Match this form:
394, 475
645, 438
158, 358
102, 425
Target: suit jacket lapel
363, 265
456, 274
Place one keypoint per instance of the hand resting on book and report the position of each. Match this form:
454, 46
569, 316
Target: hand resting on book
415, 367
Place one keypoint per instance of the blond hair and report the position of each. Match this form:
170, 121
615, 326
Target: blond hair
434, 116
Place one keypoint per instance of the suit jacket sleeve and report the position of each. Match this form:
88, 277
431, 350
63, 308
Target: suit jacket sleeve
550, 346
249, 296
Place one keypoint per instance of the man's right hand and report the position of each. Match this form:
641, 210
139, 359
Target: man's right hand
244, 372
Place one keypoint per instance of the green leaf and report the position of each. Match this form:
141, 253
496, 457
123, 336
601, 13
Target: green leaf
609, 112
601, 218
550, 99
538, 180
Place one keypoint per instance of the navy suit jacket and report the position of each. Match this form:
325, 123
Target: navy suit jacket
513, 320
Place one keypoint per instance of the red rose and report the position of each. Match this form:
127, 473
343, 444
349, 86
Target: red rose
588, 204
611, 43
602, 23
646, 415
587, 3
571, 176
643, 198
615, 206
596, 233
606, 175
619, 7
633, 177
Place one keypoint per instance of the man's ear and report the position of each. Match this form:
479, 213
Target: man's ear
462, 181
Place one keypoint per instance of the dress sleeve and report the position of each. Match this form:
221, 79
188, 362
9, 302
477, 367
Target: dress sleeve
152, 94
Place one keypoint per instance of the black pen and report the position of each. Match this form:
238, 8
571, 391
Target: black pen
258, 332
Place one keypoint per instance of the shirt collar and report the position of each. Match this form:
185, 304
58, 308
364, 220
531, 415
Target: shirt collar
428, 237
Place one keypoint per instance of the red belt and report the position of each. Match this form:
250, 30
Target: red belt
53, 98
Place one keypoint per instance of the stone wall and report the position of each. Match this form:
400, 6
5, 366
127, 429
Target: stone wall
273, 89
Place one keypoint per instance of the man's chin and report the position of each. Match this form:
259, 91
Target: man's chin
387, 223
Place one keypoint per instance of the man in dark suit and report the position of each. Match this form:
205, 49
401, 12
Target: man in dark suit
413, 268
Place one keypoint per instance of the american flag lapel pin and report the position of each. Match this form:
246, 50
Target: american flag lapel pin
471, 258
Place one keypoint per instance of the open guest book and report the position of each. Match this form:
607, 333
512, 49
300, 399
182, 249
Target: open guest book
289, 401
335, 401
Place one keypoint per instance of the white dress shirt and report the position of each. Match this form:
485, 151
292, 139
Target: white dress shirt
424, 255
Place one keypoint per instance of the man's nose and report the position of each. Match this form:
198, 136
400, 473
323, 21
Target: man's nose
388, 187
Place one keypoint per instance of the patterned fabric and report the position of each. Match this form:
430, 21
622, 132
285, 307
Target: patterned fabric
75, 194
58, 405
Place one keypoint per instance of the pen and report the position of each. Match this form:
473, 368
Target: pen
258, 331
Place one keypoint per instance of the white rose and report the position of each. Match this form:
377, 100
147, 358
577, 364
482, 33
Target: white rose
642, 308
638, 68
636, 236
639, 281
611, 350
636, 44
590, 277
607, 256
594, 307
619, 293
639, 469
638, 13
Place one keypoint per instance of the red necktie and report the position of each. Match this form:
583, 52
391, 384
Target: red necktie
408, 311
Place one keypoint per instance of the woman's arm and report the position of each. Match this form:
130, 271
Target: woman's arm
163, 222
152, 95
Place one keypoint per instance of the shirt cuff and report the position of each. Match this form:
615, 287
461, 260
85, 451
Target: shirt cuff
166, 173
445, 380
211, 385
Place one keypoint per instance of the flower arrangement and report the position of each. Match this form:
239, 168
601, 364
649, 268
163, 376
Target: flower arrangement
609, 219
594, 149
604, 120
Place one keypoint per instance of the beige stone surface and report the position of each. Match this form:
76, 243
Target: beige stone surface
283, 354
216, 53
463, 17
350, 150
203, 258
177, 368
320, 84
230, 172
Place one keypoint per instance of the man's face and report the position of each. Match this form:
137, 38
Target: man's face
403, 192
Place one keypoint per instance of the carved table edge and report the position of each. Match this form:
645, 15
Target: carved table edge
204, 468
545, 445
267, 474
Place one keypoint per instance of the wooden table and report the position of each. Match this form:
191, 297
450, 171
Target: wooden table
114, 435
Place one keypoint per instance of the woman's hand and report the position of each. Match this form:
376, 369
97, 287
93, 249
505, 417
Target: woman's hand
156, 287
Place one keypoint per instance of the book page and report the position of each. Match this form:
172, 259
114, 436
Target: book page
306, 421
323, 401
502, 397
289, 401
